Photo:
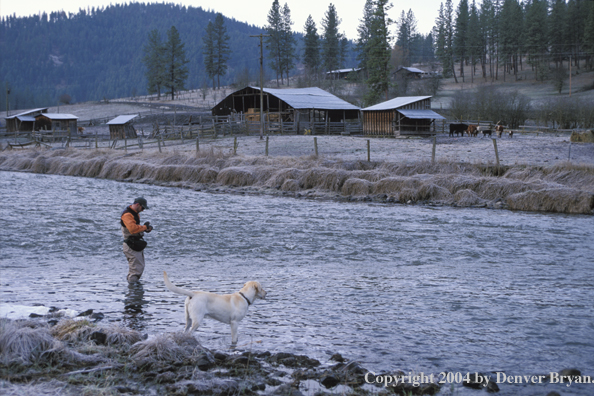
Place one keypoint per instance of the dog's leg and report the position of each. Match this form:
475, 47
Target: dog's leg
234, 325
188, 317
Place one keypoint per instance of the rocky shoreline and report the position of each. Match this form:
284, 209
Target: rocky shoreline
50, 355
74, 357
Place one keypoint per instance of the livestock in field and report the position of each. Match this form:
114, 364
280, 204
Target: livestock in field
81, 130
458, 129
511, 133
499, 130
472, 130
484, 129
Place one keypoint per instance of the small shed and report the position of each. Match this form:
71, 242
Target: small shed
411, 72
121, 127
406, 115
58, 122
342, 74
23, 122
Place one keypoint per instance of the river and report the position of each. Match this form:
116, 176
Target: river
407, 287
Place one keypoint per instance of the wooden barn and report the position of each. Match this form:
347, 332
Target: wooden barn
121, 127
23, 122
410, 72
342, 74
59, 122
300, 106
407, 115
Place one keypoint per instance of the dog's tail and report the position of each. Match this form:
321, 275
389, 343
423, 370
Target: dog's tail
176, 289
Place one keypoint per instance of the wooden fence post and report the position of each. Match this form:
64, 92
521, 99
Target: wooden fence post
433, 151
569, 155
159, 143
496, 152
267, 146
96, 142
197, 144
125, 143
316, 145
235, 145
368, 151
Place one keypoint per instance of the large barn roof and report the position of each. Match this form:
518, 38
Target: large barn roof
396, 103
309, 98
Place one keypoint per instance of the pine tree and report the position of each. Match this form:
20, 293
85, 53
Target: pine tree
208, 51
379, 53
176, 71
274, 40
364, 32
536, 42
589, 35
221, 48
407, 32
461, 34
557, 31
154, 62
440, 39
311, 54
331, 39
288, 42
473, 39
511, 27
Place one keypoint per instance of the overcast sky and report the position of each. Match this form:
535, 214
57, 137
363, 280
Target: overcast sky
250, 11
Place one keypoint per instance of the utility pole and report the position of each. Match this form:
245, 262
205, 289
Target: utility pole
7, 93
261, 83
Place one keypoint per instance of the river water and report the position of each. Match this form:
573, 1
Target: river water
414, 288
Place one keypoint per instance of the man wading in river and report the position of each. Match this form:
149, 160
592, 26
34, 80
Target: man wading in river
133, 242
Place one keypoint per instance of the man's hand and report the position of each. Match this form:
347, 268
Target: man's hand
149, 227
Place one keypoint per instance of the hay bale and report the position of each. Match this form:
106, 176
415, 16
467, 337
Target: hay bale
559, 200
582, 137
236, 177
356, 187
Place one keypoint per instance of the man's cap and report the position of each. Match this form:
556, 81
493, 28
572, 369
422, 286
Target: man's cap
142, 202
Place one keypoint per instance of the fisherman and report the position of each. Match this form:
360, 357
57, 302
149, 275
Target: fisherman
133, 232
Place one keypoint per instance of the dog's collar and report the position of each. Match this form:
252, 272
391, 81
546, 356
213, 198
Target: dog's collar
246, 299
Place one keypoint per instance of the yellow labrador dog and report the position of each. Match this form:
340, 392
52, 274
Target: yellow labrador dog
226, 308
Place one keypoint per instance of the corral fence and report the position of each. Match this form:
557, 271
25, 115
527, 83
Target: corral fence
159, 128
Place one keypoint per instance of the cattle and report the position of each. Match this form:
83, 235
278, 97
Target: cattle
457, 129
484, 129
511, 133
499, 130
81, 130
472, 130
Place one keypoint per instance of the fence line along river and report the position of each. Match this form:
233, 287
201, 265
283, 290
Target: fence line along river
391, 286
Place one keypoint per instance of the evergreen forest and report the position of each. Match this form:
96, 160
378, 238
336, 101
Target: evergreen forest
97, 54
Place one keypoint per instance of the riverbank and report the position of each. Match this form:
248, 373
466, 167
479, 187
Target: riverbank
543, 174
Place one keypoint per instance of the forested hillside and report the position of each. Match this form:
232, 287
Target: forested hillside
97, 53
